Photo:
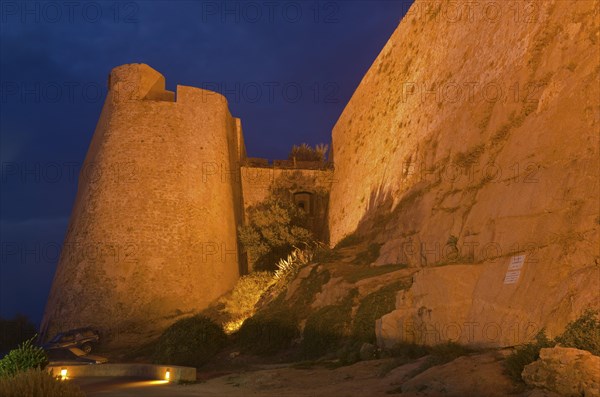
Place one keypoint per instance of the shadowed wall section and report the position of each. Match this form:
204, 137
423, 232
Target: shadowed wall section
152, 235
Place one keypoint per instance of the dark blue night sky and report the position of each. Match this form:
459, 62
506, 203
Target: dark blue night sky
286, 67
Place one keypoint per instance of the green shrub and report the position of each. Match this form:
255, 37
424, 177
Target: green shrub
583, 333
25, 357
37, 383
526, 354
267, 333
275, 227
190, 342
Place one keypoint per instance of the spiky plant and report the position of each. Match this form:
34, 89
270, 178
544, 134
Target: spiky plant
25, 357
287, 267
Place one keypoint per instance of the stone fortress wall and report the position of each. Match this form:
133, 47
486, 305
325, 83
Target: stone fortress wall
153, 235
469, 142
494, 198
157, 239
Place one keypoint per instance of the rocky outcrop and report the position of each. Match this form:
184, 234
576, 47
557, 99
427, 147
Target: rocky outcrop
567, 371
474, 138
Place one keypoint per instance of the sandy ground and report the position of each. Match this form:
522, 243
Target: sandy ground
477, 376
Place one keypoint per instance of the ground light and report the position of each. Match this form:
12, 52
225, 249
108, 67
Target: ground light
168, 375
63, 374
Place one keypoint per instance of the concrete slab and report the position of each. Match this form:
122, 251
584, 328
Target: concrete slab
141, 371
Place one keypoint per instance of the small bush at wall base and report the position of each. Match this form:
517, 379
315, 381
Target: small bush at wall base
583, 333
268, 333
37, 383
190, 342
526, 354
25, 357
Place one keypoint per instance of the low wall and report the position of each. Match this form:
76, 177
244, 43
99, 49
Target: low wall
145, 371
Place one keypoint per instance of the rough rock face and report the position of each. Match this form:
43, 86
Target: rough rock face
567, 371
474, 136
152, 235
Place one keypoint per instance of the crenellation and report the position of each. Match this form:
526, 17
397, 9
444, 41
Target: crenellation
200, 97
137, 82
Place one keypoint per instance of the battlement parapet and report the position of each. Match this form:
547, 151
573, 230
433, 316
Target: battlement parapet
287, 164
138, 81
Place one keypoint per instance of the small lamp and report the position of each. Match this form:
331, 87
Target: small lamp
63, 374
168, 375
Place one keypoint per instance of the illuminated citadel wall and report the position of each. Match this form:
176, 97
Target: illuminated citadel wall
153, 232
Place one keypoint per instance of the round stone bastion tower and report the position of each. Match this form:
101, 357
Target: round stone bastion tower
152, 234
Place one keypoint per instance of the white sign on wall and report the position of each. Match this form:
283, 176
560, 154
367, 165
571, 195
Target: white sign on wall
514, 269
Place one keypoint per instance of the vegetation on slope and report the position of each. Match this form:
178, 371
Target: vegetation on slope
24, 357
22, 373
583, 334
190, 342
275, 227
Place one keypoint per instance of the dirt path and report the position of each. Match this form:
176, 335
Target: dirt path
479, 375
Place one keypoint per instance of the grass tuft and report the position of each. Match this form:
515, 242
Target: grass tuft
37, 382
